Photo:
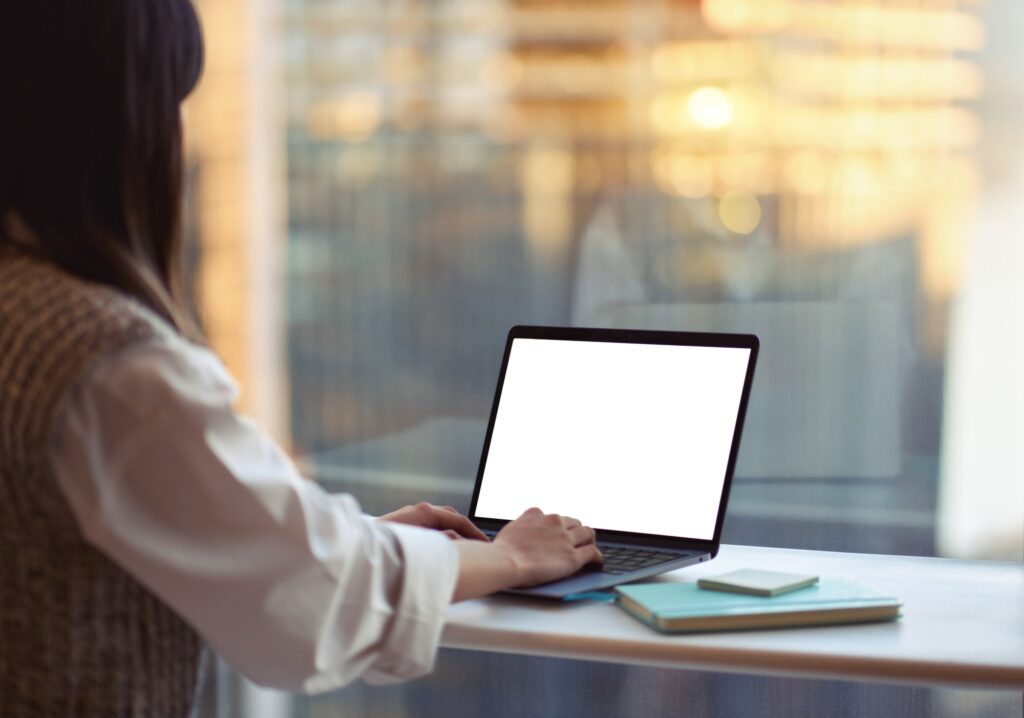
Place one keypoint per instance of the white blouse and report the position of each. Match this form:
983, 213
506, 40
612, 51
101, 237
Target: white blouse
294, 587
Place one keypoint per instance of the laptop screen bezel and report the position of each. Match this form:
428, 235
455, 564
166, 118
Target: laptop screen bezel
631, 336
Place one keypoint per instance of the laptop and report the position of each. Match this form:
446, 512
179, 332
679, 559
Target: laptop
634, 433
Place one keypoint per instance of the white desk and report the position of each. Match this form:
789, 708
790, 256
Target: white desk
962, 625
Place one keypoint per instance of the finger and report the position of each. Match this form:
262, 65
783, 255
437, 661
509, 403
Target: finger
531, 511
589, 554
448, 521
452, 535
581, 535
452, 509
570, 523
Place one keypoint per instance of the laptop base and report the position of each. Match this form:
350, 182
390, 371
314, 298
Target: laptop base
593, 580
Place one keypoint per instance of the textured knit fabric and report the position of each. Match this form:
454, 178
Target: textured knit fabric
78, 636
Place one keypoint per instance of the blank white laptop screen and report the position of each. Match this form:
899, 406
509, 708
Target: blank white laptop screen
624, 437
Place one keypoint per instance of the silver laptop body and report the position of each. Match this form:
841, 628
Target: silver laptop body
635, 433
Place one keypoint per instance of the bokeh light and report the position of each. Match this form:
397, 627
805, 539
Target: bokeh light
740, 212
354, 117
710, 107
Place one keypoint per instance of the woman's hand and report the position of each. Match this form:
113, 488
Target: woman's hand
442, 518
535, 548
546, 547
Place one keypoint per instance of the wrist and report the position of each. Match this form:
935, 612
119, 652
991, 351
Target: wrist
485, 568
512, 564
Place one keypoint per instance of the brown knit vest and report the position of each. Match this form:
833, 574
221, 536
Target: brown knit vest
78, 636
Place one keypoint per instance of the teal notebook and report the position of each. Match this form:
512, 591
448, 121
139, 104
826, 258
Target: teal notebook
684, 608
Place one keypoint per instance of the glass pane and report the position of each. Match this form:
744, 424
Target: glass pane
841, 178
809, 174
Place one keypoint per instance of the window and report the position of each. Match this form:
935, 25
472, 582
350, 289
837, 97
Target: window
385, 186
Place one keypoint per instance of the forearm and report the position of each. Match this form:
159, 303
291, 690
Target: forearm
484, 568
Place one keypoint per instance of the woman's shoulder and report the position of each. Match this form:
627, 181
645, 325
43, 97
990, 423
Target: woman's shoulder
55, 327
40, 299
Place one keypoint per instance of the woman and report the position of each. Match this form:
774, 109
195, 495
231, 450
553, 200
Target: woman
141, 518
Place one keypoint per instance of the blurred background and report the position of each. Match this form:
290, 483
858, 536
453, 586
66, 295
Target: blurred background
379, 189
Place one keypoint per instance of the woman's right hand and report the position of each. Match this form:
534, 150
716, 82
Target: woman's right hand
547, 547
533, 549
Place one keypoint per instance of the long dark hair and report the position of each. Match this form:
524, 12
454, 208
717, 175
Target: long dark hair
91, 138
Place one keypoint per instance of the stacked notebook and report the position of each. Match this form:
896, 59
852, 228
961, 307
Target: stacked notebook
685, 607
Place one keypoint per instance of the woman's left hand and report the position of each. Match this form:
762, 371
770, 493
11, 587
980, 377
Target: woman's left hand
441, 518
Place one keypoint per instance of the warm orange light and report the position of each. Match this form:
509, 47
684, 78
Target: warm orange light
738, 16
668, 114
354, 117
503, 71
871, 76
700, 61
858, 177
740, 212
874, 25
710, 107
692, 176
806, 172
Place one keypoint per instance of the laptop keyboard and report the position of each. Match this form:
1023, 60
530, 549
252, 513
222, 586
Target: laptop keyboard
619, 559
623, 559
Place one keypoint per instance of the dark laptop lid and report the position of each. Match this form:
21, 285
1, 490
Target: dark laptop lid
635, 433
